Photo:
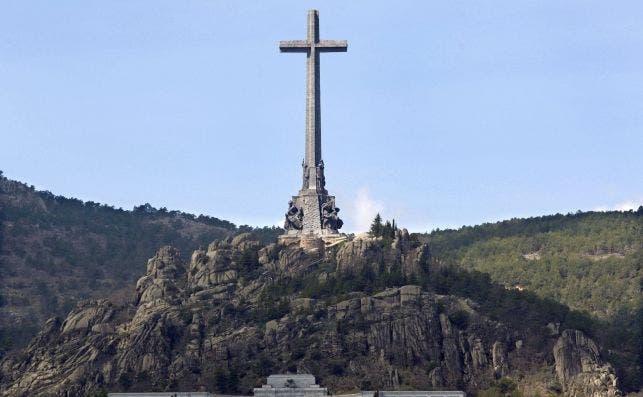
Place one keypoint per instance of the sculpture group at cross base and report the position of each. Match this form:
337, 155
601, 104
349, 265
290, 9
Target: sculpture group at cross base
329, 214
294, 217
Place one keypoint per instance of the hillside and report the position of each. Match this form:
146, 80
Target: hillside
56, 251
589, 261
532, 277
367, 314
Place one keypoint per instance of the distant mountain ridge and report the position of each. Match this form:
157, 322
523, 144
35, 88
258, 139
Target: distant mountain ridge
55, 251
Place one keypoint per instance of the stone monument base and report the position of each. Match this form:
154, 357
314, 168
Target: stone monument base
312, 242
290, 237
334, 238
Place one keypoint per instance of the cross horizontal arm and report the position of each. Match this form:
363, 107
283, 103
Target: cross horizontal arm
294, 46
332, 45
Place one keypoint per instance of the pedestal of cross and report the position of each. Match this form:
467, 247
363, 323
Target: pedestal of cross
312, 212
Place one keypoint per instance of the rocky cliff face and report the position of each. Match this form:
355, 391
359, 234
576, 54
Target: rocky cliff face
239, 311
580, 368
55, 252
366, 254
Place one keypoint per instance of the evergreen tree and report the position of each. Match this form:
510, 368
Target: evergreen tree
387, 230
376, 226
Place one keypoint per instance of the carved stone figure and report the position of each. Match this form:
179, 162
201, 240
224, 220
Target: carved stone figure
330, 217
306, 174
294, 217
321, 180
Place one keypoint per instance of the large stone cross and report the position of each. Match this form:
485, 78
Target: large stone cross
312, 46
312, 213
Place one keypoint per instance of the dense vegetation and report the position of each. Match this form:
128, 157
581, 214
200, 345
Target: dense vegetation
385, 230
55, 251
589, 261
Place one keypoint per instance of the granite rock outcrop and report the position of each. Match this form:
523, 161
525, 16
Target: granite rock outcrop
580, 369
238, 311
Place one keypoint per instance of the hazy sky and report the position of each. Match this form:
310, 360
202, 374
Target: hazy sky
441, 113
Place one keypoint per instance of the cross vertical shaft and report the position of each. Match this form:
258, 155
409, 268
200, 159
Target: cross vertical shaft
312, 46
313, 108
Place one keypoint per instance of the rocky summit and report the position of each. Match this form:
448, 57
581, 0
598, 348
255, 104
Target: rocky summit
364, 314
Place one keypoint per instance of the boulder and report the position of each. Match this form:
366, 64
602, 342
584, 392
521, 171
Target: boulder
87, 315
164, 270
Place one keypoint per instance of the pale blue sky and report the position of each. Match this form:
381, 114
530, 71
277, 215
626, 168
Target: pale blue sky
441, 113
